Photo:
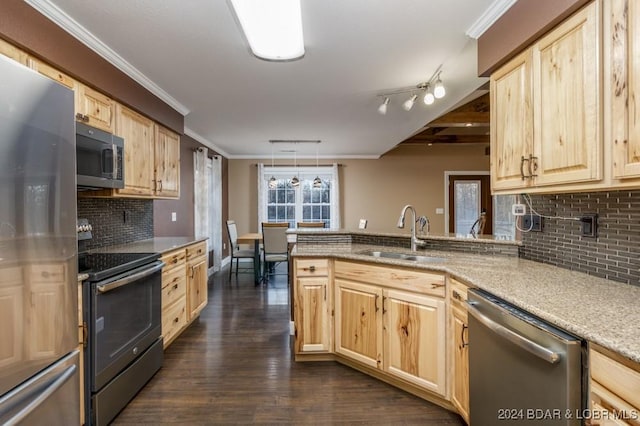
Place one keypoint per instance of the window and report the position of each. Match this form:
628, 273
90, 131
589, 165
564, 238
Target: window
285, 203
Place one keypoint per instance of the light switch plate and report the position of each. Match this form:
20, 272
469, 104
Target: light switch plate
174, 216
518, 209
362, 224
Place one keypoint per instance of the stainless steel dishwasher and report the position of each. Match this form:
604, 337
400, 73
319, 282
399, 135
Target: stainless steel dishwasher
522, 370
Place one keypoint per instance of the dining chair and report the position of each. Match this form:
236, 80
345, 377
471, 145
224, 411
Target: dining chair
275, 246
310, 224
236, 253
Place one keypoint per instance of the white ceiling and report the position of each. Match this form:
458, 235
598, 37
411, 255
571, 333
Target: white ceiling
193, 55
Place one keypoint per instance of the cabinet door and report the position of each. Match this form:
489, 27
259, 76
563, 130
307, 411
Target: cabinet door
358, 322
624, 87
460, 391
94, 108
11, 316
313, 326
196, 286
45, 319
512, 124
567, 111
49, 71
414, 339
137, 132
167, 163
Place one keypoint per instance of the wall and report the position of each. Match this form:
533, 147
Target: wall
184, 207
614, 254
115, 221
372, 189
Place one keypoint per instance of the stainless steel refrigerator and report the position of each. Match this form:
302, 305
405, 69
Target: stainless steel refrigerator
38, 251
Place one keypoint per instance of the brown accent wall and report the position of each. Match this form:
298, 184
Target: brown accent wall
184, 207
520, 26
375, 190
25, 27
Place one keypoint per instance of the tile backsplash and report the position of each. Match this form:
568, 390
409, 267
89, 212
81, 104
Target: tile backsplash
613, 254
115, 221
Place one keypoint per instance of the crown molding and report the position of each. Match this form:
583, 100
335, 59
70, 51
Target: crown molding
204, 141
67, 23
491, 15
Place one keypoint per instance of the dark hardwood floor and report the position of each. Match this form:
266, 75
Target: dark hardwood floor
234, 366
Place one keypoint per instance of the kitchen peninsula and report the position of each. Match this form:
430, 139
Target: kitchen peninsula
400, 301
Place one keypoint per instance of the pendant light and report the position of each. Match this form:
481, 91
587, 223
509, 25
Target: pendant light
317, 182
295, 182
273, 182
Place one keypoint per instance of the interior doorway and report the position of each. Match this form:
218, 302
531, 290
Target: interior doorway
468, 196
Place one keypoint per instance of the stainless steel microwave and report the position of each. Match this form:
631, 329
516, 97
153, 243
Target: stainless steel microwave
99, 158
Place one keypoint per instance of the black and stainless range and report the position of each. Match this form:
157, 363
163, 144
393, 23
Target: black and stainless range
122, 308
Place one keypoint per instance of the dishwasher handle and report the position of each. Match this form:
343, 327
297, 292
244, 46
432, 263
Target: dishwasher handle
530, 346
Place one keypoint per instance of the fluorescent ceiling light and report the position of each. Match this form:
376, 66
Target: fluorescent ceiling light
273, 28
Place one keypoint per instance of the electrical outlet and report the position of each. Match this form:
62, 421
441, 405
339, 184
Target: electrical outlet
589, 225
532, 222
224, 246
174, 216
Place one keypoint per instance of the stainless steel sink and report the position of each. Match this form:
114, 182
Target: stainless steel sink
402, 256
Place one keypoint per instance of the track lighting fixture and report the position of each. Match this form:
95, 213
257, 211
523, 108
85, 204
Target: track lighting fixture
433, 89
382, 109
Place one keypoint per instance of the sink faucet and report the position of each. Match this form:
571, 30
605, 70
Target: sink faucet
414, 240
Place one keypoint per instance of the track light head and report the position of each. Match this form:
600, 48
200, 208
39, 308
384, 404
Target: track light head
428, 97
408, 104
439, 90
382, 109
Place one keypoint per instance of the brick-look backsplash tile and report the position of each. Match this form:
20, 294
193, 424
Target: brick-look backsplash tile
107, 216
615, 252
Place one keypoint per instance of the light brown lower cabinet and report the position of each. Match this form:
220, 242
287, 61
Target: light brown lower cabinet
459, 347
312, 301
184, 288
396, 330
614, 390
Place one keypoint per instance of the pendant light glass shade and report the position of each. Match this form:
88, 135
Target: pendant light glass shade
273, 182
317, 182
295, 182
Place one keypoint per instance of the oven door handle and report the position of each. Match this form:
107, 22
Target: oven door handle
528, 345
128, 280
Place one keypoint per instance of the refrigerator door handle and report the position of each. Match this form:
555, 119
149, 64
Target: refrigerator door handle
50, 390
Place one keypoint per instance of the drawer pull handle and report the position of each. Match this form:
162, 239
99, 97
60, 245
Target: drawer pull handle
436, 285
463, 344
175, 286
175, 260
176, 319
457, 295
312, 268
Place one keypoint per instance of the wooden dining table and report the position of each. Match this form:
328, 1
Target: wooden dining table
256, 239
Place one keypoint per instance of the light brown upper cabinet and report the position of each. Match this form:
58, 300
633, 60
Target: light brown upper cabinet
623, 38
55, 75
137, 132
94, 108
167, 163
13, 52
546, 110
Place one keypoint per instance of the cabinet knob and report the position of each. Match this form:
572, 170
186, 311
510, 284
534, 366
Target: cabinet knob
175, 286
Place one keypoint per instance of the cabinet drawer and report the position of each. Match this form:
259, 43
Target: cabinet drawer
413, 280
173, 258
11, 276
458, 293
176, 287
196, 250
47, 273
174, 318
617, 377
312, 267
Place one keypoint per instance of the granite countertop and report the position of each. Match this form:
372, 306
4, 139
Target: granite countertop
599, 310
151, 245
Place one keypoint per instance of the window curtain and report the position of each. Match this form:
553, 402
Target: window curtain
335, 197
262, 192
201, 194
215, 211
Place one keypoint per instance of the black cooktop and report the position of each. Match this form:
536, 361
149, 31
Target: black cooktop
100, 266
